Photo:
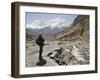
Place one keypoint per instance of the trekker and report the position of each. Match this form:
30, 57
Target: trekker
40, 43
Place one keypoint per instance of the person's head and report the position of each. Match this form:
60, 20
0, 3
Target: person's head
40, 35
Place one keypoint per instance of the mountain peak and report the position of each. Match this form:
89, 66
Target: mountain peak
52, 23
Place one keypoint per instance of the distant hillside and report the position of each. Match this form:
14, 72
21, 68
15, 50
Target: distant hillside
29, 35
47, 32
79, 29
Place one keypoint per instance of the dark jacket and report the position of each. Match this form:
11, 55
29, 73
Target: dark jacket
40, 41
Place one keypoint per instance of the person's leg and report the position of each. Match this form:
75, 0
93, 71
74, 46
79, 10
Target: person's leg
40, 52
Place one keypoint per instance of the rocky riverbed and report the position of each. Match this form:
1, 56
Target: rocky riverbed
58, 53
71, 54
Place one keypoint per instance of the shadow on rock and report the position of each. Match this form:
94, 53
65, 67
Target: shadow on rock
41, 62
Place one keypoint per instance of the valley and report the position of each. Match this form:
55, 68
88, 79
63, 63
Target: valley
63, 47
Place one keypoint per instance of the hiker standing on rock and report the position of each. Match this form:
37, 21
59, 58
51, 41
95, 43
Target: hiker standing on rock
40, 43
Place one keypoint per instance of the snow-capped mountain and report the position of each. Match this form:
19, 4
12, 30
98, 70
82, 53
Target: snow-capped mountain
51, 26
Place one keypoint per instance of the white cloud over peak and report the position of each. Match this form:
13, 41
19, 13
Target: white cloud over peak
52, 23
35, 24
57, 22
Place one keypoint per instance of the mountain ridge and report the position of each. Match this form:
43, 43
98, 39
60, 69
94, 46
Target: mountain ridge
79, 29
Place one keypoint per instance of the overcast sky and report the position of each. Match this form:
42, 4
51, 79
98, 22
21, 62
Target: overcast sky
40, 20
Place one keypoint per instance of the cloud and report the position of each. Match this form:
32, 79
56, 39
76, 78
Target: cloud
52, 23
57, 22
35, 24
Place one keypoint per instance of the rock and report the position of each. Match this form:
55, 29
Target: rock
71, 54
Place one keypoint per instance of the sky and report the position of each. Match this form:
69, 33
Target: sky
41, 20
